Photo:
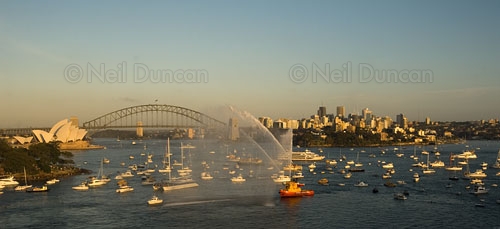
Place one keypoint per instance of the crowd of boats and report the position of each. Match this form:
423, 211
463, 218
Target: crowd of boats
178, 175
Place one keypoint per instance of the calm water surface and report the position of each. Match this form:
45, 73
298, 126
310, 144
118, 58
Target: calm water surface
255, 204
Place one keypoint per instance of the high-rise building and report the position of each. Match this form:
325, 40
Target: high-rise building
402, 121
341, 111
234, 132
322, 111
367, 114
427, 121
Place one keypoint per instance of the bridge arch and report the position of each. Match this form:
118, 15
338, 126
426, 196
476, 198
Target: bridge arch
154, 116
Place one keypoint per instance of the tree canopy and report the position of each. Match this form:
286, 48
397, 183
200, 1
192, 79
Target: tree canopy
37, 158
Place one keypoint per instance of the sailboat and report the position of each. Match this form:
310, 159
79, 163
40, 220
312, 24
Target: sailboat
497, 162
25, 186
166, 160
453, 167
182, 182
428, 170
100, 179
184, 171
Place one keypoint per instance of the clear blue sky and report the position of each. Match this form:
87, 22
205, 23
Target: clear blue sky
248, 48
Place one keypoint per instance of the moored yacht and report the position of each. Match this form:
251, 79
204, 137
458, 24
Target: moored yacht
155, 200
8, 181
306, 155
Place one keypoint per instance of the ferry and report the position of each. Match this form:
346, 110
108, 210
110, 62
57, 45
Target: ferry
306, 155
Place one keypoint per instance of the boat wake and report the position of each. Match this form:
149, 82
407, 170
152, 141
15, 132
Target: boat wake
195, 202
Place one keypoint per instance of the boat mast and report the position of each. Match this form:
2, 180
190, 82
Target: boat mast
25, 179
168, 158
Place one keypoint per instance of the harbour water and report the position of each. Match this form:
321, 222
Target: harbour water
434, 202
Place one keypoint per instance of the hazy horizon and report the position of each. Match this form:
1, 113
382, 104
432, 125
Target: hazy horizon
281, 59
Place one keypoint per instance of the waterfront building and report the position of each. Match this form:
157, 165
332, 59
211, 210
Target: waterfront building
266, 121
63, 131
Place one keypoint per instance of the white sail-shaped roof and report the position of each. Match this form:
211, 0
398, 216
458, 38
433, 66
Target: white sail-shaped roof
23, 140
62, 131
43, 136
81, 134
73, 132
57, 126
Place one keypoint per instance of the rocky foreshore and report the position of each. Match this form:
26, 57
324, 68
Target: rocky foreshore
71, 171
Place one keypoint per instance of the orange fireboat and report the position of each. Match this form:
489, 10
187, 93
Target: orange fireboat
292, 189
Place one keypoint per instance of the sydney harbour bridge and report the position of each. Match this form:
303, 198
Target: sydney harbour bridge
145, 116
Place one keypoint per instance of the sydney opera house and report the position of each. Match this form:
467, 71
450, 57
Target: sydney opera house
63, 131
67, 133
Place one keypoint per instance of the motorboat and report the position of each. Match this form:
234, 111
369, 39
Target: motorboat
361, 184
437, 164
155, 200
347, 175
282, 178
386, 175
148, 180
298, 175
416, 177
81, 187
477, 174
124, 188
127, 174
331, 162
479, 189
400, 196
401, 182
469, 154
389, 165
206, 176
306, 155
292, 189
52, 181
8, 181
44, 188
389, 184
292, 167
94, 182
323, 181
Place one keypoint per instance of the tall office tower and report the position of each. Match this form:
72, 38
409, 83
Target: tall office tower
234, 132
367, 114
139, 131
322, 111
427, 121
402, 121
341, 111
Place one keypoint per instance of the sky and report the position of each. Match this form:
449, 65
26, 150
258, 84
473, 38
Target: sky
437, 59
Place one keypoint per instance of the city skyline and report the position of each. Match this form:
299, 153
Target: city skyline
280, 59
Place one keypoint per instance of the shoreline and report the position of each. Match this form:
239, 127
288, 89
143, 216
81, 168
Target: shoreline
47, 176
